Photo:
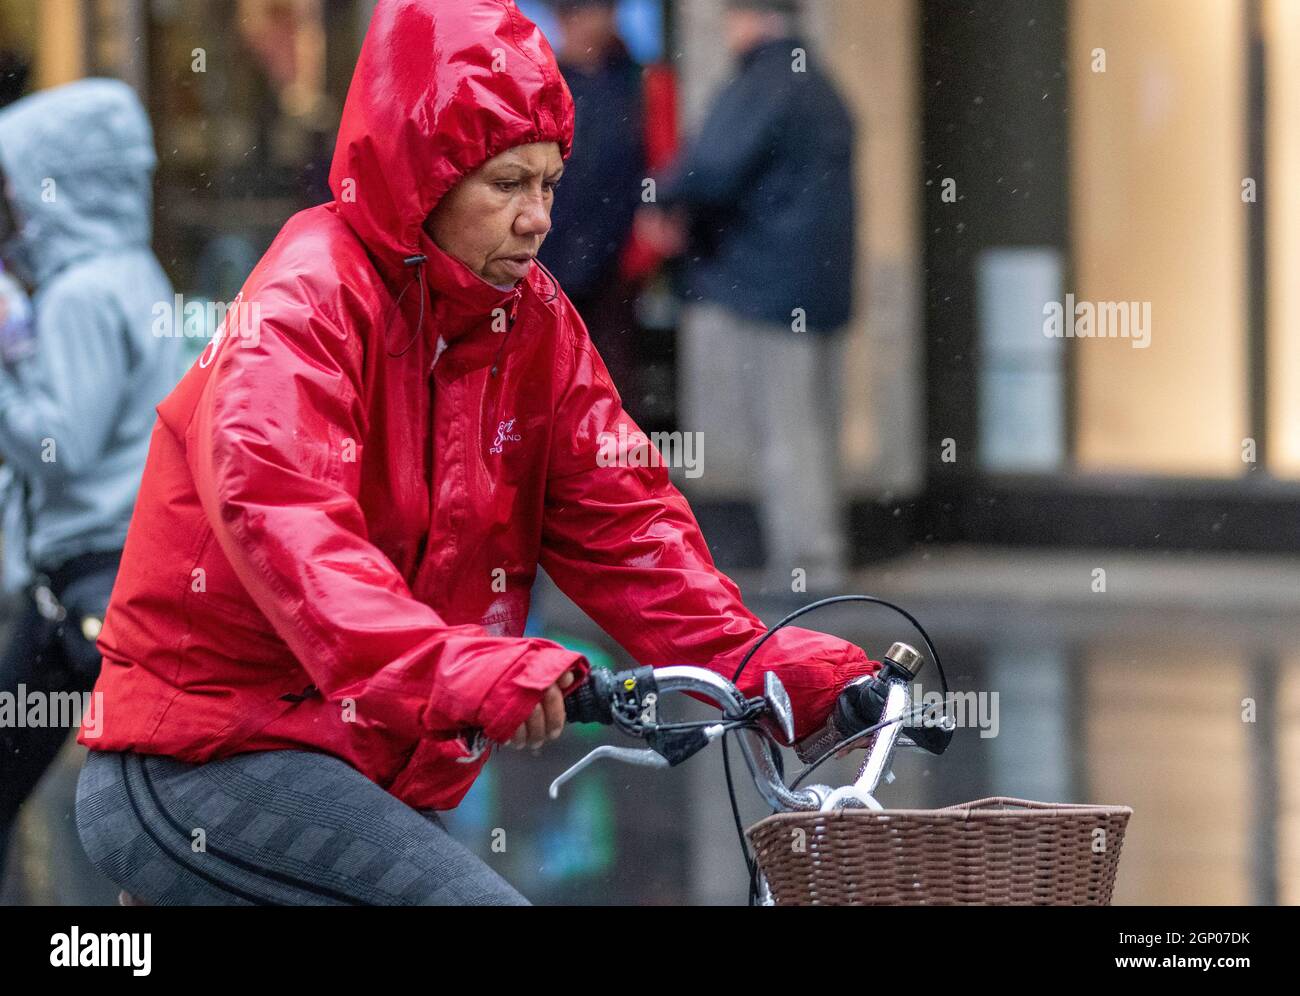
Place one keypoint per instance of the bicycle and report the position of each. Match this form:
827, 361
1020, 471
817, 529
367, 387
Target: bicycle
857, 851
854, 850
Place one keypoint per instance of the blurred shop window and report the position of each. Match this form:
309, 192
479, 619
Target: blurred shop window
1281, 200
245, 112
287, 41
116, 30
18, 33
1021, 371
1156, 161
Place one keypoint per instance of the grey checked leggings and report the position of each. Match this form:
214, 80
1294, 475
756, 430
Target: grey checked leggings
279, 828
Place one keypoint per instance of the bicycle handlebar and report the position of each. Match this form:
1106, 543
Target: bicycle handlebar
629, 699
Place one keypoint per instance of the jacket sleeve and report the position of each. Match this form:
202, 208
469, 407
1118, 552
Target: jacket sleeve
621, 541
275, 451
58, 406
741, 131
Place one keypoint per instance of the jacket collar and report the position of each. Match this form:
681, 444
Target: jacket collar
463, 310
462, 304
786, 45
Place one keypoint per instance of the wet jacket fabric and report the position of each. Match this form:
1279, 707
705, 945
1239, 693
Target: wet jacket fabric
769, 185
343, 513
77, 401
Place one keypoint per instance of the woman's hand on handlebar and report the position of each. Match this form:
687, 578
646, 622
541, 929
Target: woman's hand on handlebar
547, 719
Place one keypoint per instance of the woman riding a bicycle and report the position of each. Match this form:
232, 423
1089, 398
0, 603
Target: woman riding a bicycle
346, 500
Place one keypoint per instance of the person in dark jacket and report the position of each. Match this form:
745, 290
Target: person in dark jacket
608, 166
767, 188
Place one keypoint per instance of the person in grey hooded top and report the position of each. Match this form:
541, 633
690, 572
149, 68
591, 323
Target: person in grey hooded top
77, 392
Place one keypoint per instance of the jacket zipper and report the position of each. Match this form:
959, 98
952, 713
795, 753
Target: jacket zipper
510, 327
496, 362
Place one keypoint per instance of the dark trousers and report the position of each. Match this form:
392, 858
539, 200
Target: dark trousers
274, 827
47, 656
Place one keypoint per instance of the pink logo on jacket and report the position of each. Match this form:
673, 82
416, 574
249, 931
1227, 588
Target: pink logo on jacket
505, 434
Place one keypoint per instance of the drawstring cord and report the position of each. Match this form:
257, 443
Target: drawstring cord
555, 284
418, 262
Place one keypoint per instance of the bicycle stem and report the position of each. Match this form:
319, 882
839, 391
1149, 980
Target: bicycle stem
756, 748
897, 705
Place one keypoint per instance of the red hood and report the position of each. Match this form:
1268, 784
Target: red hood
441, 86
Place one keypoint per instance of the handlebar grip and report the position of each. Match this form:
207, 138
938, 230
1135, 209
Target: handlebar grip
595, 700
815, 745
590, 702
857, 707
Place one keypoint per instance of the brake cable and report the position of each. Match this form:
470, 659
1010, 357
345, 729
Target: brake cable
832, 600
750, 863
916, 713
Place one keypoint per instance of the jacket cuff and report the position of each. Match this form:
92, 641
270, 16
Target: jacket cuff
853, 665
515, 695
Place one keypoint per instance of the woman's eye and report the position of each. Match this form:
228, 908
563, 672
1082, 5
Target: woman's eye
553, 186
507, 186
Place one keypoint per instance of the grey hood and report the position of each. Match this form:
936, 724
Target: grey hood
77, 408
79, 162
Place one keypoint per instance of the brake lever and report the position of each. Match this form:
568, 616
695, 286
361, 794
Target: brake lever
931, 737
642, 757
669, 749
778, 719
770, 715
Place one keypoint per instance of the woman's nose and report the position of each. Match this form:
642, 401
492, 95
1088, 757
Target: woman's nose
534, 219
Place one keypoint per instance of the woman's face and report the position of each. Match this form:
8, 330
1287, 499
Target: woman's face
494, 219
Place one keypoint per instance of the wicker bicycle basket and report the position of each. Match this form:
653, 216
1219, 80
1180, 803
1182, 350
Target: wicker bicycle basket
999, 851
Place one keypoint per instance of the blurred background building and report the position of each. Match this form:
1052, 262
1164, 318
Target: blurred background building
1011, 152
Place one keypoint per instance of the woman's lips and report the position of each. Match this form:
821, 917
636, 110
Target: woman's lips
516, 266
